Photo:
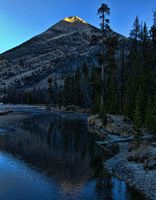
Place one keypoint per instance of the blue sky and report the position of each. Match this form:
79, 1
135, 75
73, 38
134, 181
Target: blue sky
22, 19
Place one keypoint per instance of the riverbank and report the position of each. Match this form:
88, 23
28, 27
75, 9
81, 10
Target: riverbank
22, 112
135, 173
135, 161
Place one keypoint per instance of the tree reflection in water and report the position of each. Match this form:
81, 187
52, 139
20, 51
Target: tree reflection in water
64, 151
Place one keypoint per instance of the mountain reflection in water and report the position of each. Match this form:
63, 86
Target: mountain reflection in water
51, 158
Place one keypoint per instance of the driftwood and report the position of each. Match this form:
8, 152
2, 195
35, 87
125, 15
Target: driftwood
6, 111
102, 131
129, 139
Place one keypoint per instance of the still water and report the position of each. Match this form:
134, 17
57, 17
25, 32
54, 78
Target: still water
46, 157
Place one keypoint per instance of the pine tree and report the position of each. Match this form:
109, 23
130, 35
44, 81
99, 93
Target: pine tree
133, 68
138, 111
111, 83
85, 87
120, 75
102, 12
95, 87
135, 34
68, 92
77, 89
150, 119
96, 105
50, 93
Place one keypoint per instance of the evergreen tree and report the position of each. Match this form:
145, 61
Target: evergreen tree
135, 34
77, 89
120, 75
50, 93
103, 11
68, 92
138, 110
95, 83
133, 69
150, 120
111, 71
85, 87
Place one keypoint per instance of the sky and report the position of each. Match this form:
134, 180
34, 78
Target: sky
22, 19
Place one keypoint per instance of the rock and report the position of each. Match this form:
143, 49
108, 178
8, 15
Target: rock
133, 173
94, 120
139, 155
127, 120
130, 158
117, 125
114, 148
150, 164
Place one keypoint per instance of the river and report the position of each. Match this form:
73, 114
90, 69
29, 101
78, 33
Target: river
45, 156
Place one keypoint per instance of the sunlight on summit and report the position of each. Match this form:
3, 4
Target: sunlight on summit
74, 19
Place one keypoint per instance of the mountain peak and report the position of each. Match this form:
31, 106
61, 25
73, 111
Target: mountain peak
73, 23
74, 19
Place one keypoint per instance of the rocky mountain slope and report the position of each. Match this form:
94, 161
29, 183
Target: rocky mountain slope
60, 50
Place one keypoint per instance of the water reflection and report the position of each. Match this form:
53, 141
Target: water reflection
19, 182
119, 190
53, 158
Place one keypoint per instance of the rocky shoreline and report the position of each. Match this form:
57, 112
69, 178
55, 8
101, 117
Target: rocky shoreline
135, 161
134, 173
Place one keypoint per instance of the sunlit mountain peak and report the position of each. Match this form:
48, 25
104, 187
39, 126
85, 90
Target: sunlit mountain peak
73, 19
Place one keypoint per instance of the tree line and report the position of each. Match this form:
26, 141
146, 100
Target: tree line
128, 72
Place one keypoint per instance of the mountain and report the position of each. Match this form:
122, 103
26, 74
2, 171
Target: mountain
61, 49
74, 23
